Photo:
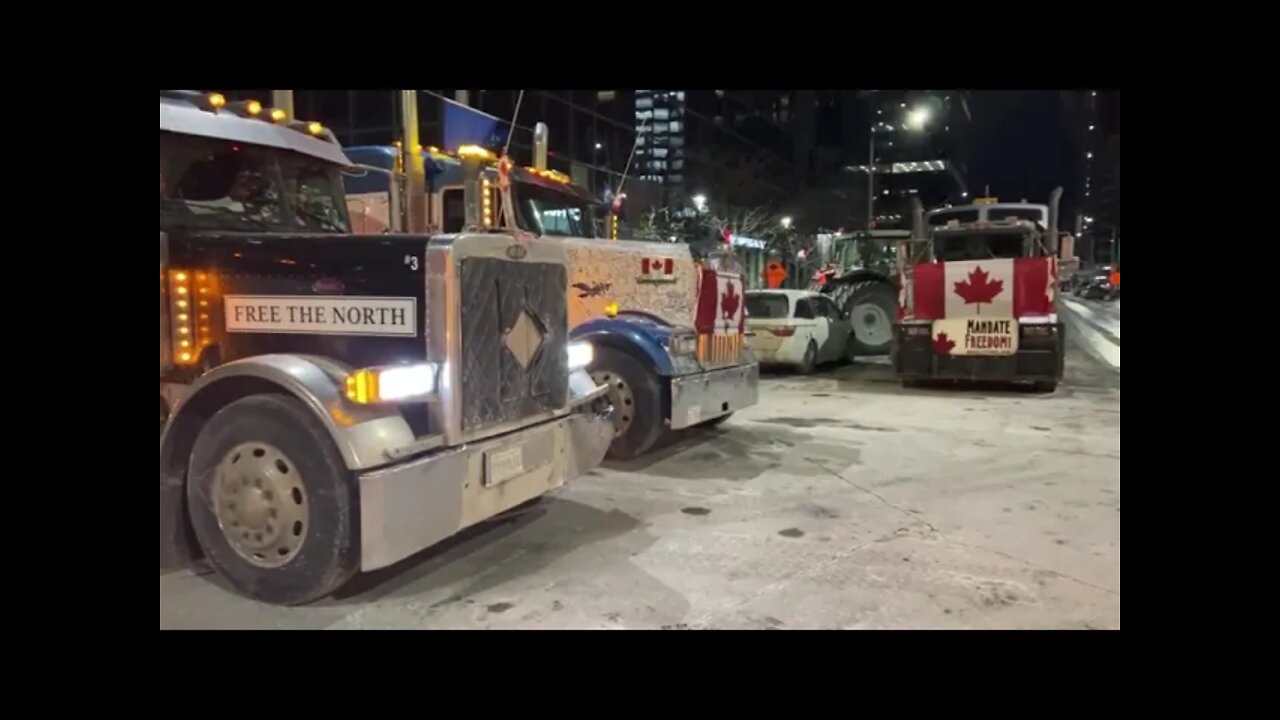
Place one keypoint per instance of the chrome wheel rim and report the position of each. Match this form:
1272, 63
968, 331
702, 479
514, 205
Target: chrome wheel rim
261, 504
620, 396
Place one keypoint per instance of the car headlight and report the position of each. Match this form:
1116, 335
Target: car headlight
391, 384
683, 344
580, 354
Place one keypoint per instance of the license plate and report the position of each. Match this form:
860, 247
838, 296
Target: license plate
504, 465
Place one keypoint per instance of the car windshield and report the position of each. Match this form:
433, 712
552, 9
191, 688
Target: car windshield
549, 212
767, 306
213, 184
977, 246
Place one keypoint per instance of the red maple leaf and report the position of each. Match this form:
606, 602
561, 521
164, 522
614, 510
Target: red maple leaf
979, 288
729, 302
943, 345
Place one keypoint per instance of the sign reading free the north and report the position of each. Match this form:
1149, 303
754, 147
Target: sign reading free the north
322, 315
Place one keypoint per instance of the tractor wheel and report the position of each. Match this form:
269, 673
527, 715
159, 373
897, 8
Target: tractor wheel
871, 306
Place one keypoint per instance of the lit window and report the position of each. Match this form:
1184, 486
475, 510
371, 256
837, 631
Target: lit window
680, 96
662, 114
675, 126
606, 95
660, 152
644, 103
646, 115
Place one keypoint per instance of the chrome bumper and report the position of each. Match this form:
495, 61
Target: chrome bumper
409, 507
705, 396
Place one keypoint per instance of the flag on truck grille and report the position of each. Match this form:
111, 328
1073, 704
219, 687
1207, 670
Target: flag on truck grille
719, 349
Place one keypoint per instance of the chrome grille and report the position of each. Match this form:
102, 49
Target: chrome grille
514, 325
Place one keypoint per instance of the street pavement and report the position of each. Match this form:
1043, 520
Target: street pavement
1096, 324
840, 501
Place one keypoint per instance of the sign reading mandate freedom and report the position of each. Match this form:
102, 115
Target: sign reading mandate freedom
978, 336
333, 315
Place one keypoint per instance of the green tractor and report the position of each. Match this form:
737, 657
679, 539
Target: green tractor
861, 277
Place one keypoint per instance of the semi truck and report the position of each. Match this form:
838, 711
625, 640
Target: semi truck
667, 327
978, 297
334, 402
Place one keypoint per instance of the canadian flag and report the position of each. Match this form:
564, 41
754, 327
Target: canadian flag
998, 288
657, 266
978, 287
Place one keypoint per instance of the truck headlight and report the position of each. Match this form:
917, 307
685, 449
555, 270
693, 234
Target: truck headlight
391, 384
580, 354
684, 344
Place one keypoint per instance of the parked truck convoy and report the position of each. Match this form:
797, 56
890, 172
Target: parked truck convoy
978, 297
333, 402
667, 327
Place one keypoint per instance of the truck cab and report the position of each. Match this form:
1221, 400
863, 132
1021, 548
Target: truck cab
979, 292
667, 327
331, 402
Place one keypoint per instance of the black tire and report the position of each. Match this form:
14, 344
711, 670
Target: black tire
871, 307
1045, 386
329, 552
640, 415
809, 362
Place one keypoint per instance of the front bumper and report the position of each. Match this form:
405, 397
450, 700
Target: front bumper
705, 396
1040, 357
409, 507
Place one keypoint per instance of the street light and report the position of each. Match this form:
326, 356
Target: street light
786, 222
918, 117
700, 202
599, 146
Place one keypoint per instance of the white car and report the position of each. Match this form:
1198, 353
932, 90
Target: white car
796, 327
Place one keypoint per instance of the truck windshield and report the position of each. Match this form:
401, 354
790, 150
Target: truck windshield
213, 184
977, 246
549, 212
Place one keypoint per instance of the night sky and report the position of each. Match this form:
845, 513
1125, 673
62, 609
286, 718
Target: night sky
1020, 147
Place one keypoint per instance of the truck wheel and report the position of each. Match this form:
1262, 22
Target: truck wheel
871, 306
272, 503
1045, 386
809, 362
637, 402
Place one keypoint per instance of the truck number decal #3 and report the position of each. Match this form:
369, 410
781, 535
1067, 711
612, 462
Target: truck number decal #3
332, 315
